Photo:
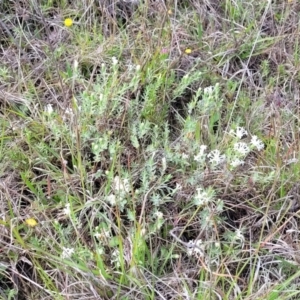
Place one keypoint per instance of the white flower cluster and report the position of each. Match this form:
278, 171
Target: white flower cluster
132, 67
121, 188
203, 197
115, 258
235, 162
48, 109
241, 148
67, 252
236, 156
114, 61
185, 156
239, 133
215, 157
121, 185
102, 234
67, 210
111, 199
200, 157
195, 248
239, 236
159, 215
257, 143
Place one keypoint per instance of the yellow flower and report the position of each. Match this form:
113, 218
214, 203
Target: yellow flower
31, 222
170, 12
68, 22
188, 51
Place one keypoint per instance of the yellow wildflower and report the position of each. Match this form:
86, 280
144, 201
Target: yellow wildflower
68, 22
188, 51
31, 222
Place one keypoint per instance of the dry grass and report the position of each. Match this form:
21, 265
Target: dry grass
101, 126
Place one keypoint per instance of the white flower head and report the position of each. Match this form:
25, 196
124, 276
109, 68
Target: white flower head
215, 157
203, 197
102, 234
200, 157
116, 258
48, 109
178, 186
67, 252
130, 67
158, 214
241, 148
121, 185
75, 65
256, 142
69, 111
111, 199
195, 248
208, 90
67, 210
236, 162
239, 236
184, 156
241, 132
68, 114
114, 61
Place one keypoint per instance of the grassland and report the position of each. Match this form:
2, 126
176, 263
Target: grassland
149, 149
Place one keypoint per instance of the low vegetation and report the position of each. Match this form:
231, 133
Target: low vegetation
149, 149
